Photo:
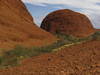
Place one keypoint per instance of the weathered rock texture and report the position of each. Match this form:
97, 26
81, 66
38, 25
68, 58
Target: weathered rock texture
17, 26
82, 59
69, 22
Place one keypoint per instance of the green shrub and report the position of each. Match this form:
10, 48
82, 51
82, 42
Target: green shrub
13, 57
95, 38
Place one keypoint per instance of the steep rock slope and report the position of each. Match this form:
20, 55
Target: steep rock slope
68, 21
17, 26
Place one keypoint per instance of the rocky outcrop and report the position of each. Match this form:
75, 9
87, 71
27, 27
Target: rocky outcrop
69, 22
17, 26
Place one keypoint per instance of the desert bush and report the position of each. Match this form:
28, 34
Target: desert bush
95, 38
68, 38
13, 57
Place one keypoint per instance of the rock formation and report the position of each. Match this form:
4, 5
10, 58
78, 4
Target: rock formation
69, 22
17, 26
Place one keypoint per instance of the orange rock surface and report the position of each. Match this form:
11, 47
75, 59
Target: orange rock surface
17, 26
69, 22
78, 60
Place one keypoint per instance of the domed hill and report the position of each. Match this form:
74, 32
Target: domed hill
17, 26
69, 22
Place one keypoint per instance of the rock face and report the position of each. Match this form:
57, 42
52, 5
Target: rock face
17, 26
69, 22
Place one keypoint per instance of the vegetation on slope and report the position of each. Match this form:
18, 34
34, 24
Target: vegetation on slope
13, 58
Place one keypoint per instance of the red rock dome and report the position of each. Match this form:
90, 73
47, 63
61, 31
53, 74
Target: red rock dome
17, 26
69, 22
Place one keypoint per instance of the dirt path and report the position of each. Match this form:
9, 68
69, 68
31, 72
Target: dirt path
83, 59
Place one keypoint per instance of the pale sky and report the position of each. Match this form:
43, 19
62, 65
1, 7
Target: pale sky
40, 8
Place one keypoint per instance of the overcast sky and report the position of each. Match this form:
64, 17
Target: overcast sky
40, 8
